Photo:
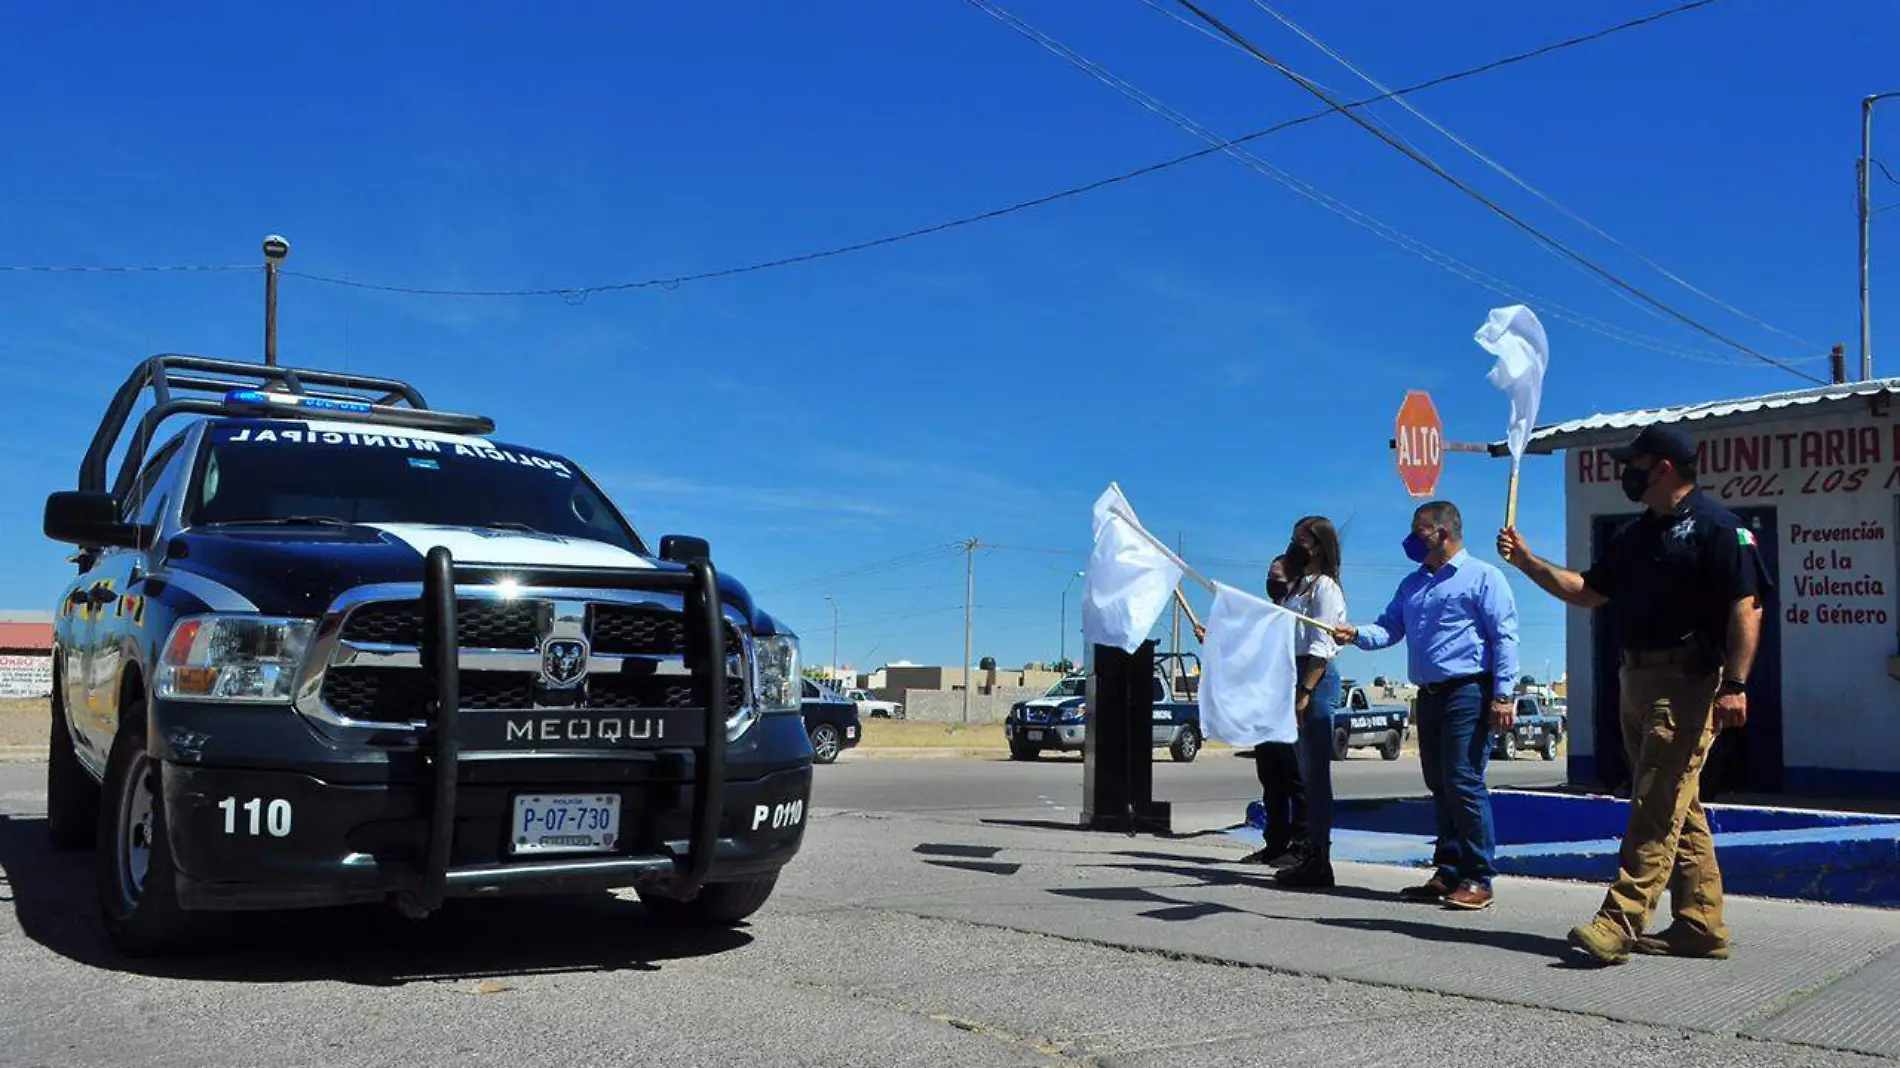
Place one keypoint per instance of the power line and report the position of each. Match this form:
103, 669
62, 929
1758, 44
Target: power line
1425, 161
156, 268
1521, 183
579, 294
876, 567
1419, 248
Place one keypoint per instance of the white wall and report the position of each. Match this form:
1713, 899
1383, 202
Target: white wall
1834, 480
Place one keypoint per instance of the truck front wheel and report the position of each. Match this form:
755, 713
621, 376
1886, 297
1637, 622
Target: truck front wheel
1187, 745
137, 897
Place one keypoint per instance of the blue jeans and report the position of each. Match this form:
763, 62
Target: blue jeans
1454, 748
1316, 760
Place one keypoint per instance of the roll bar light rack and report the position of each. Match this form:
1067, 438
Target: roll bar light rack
224, 387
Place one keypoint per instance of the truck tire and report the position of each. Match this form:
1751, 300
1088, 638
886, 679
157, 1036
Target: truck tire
716, 904
1389, 749
1019, 751
1549, 748
1507, 746
826, 744
1187, 745
72, 798
138, 899
1342, 743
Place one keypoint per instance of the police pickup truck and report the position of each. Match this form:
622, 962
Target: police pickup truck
1360, 724
1058, 720
1539, 728
328, 645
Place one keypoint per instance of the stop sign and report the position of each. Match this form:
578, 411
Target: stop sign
1420, 439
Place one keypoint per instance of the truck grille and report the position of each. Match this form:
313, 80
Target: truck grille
400, 695
627, 643
479, 624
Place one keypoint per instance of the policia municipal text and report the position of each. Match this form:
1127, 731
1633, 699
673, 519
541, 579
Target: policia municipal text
1684, 583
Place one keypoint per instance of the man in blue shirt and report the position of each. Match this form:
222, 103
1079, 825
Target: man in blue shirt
1458, 619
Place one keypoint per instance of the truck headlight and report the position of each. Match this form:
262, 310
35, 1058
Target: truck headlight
777, 678
233, 658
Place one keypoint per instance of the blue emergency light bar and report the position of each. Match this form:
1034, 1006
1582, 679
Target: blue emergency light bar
280, 405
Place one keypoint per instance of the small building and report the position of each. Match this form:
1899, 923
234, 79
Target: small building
1816, 476
26, 654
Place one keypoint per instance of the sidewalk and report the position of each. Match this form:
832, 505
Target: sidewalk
1807, 974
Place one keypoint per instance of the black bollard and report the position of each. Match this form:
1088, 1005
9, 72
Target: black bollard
1118, 744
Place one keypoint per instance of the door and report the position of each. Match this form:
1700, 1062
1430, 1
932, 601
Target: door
1746, 760
1749, 760
118, 607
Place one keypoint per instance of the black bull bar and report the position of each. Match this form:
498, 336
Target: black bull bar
705, 659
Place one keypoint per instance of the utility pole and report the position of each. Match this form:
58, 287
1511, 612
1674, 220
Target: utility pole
969, 607
834, 637
275, 250
1064, 645
1866, 216
1180, 549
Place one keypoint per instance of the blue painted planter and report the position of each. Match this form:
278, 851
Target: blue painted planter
1837, 857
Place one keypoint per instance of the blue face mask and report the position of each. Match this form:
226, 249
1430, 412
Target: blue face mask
1416, 550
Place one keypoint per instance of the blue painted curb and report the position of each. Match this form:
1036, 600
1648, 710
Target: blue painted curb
1836, 857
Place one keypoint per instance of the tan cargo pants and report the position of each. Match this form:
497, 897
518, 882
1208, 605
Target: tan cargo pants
1668, 726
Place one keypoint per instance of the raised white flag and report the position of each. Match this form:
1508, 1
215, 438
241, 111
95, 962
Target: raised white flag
1248, 671
1516, 338
1129, 581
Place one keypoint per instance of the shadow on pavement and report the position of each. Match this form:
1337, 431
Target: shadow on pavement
1510, 941
1076, 825
52, 894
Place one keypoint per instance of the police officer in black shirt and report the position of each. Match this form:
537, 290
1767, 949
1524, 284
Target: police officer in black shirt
1685, 583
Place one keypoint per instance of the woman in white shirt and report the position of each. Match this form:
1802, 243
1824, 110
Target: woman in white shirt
1312, 565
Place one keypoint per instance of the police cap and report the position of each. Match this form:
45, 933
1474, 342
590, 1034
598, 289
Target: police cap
1660, 441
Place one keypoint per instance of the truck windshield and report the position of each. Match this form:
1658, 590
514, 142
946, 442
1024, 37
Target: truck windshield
273, 472
1077, 687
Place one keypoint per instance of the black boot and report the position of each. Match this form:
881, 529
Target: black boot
1313, 872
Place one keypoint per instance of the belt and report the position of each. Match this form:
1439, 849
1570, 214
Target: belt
1446, 686
1675, 654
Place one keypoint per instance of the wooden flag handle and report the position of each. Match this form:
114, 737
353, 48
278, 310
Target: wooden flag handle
1510, 501
1182, 601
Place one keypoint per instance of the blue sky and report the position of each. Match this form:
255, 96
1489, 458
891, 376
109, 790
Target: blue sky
1231, 353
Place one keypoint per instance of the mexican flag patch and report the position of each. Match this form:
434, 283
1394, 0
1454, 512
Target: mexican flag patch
1745, 536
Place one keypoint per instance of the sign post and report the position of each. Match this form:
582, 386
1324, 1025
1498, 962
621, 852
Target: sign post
1420, 441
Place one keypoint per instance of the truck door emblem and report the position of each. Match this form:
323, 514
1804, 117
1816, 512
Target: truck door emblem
563, 661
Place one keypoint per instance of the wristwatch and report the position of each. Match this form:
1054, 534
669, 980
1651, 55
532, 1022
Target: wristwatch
1732, 685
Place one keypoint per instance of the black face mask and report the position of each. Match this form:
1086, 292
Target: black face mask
1635, 482
1277, 589
1297, 558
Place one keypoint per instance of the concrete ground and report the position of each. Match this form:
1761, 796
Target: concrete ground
944, 916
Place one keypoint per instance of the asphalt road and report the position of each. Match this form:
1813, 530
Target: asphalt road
830, 973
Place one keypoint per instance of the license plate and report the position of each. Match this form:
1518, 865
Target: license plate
565, 823
1035, 736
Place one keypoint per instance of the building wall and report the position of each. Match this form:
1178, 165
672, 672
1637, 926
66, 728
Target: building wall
944, 706
1834, 482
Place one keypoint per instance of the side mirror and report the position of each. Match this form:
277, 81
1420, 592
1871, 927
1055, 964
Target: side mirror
683, 549
83, 518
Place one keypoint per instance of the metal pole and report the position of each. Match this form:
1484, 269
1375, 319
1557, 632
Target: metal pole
1866, 217
1064, 656
1866, 165
969, 604
834, 639
275, 250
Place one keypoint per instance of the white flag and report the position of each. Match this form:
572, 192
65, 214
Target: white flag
1248, 674
1129, 582
1517, 339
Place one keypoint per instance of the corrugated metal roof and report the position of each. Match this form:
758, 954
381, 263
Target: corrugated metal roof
26, 636
1617, 427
